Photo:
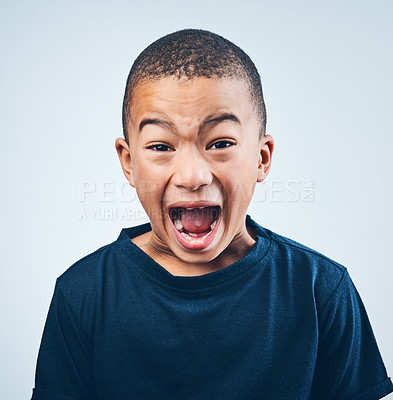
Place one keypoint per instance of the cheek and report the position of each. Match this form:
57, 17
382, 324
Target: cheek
151, 203
146, 194
239, 184
149, 189
147, 178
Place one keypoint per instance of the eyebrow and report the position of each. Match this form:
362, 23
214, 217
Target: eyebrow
155, 121
214, 120
209, 121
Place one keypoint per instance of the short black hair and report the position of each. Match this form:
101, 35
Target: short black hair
192, 53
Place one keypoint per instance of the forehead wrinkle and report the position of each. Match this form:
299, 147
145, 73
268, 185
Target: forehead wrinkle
209, 122
181, 99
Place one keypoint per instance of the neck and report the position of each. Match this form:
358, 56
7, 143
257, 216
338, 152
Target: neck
237, 249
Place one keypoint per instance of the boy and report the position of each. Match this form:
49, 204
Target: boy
203, 303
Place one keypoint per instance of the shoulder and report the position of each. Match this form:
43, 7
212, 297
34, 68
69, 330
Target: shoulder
302, 267
83, 280
296, 253
87, 276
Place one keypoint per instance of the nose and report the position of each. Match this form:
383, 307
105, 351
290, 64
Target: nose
192, 171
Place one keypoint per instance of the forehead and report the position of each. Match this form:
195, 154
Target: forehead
196, 97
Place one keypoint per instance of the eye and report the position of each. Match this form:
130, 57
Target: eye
160, 147
221, 144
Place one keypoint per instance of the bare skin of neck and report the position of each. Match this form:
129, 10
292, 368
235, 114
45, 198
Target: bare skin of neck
175, 266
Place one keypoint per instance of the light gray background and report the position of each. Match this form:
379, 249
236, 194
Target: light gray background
326, 68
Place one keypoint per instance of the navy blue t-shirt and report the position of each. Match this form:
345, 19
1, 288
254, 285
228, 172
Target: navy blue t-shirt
284, 322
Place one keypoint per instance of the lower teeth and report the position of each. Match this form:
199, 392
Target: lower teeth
179, 225
194, 239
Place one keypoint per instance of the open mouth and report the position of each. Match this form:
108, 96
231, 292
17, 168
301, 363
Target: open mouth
195, 228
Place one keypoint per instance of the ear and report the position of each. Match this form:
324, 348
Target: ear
266, 146
123, 151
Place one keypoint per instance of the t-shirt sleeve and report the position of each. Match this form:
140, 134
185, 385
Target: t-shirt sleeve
65, 363
349, 365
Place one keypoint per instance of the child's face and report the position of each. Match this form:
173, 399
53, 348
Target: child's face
195, 159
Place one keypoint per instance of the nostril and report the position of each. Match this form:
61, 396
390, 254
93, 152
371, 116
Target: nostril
193, 184
191, 173
195, 188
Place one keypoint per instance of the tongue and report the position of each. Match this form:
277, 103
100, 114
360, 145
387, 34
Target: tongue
198, 219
